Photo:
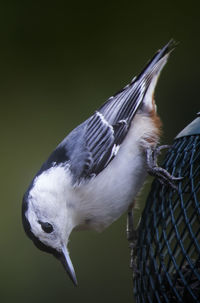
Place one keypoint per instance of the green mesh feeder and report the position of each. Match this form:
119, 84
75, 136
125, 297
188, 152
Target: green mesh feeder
167, 253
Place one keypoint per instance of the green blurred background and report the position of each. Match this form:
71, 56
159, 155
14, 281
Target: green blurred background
58, 62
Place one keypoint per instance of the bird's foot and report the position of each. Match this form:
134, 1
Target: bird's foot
156, 171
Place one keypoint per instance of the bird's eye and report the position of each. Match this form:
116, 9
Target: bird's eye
47, 227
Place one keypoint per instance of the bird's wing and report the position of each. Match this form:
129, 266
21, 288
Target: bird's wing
93, 144
102, 142
108, 127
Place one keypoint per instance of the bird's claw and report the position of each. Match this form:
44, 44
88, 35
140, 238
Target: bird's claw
160, 173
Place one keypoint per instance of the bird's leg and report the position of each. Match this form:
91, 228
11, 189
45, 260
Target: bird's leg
130, 228
154, 170
132, 237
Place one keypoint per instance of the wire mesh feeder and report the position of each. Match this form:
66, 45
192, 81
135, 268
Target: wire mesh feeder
167, 254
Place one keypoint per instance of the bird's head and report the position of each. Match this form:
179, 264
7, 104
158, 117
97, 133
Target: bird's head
47, 222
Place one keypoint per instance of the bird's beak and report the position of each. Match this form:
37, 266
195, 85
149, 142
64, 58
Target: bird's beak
67, 263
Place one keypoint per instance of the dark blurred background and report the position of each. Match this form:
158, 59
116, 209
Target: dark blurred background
59, 61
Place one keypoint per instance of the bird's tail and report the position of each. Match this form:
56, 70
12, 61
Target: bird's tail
165, 51
124, 104
151, 73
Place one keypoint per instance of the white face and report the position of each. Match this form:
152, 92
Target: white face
48, 216
45, 227
47, 208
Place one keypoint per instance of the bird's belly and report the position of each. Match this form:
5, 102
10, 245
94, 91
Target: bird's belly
108, 195
105, 198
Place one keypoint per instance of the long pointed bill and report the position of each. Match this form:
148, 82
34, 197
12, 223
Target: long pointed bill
67, 263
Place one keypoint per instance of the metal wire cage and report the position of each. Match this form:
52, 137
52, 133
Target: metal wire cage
167, 264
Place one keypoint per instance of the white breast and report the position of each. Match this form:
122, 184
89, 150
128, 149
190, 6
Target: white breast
106, 197
103, 199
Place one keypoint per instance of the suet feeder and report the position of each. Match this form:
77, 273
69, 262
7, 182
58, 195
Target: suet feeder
167, 253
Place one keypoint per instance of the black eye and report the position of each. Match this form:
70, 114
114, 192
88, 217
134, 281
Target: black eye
47, 227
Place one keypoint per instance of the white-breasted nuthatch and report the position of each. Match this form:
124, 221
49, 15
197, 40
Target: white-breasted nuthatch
95, 173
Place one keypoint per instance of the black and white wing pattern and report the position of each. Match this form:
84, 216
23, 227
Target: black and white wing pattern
90, 147
102, 141
107, 128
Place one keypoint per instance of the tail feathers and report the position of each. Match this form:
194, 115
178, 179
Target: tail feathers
151, 74
166, 50
124, 104
150, 78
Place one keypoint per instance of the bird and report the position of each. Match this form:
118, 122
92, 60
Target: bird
95, 174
